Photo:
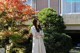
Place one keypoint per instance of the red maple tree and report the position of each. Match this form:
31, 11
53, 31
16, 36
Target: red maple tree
12, 6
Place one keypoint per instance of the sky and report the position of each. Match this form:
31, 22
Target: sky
28, 2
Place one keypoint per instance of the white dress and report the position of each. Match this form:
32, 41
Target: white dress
38, 44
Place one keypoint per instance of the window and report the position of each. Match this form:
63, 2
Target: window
54, 5
41, 4
70, 6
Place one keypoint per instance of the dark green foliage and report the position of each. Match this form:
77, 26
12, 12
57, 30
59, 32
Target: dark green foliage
56, 41
3, 14
15, 37
20, 41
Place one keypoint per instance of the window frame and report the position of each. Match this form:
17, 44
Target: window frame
61, 8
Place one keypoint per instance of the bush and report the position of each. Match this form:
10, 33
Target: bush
51, 20
56, 41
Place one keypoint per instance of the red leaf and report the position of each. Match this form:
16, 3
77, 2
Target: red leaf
17, 5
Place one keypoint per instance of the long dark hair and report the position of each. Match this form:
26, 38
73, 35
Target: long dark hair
38, 27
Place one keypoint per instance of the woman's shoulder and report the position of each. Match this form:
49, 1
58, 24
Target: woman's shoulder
32, 27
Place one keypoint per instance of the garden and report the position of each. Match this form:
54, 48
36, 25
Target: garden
15, 36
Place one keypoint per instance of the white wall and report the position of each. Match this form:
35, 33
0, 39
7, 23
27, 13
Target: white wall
72, 21
71, 18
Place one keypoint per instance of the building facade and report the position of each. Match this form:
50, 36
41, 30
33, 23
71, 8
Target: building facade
69, 9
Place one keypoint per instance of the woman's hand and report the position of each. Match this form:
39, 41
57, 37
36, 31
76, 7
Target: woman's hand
41, 36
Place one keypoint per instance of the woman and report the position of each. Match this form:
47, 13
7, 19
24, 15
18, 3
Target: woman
38, 35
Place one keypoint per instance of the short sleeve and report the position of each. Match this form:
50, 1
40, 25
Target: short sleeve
33, 31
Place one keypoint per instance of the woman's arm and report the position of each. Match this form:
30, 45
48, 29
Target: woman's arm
34, 33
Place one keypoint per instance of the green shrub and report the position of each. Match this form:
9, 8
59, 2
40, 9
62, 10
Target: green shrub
51, 20
21, 41
57, 43
55, 40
